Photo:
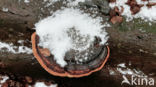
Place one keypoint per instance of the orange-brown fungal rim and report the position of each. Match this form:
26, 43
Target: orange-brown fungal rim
40, 60
66, 74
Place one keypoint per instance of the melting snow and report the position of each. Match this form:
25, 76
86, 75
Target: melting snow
69, 29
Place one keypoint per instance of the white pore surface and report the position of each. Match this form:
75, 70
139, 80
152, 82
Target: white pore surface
53, 32
145, 13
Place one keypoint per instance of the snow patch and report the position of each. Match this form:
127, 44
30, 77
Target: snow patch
41, 84
69, 3
111, 72
14, 49
121, 65
145, 2
69, 29
5, 9
145, 13
4, 78
20, 41
127, 71
75, 2
27, 1
50, 2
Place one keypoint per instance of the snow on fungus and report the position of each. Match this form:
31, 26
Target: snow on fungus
69, 29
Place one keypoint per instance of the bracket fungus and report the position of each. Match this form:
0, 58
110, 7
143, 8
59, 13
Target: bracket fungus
72, 69
70, 43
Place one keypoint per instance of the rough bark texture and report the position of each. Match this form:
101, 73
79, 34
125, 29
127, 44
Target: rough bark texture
131, 46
